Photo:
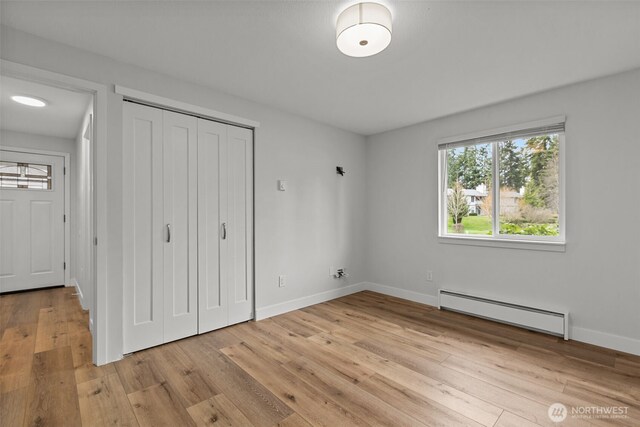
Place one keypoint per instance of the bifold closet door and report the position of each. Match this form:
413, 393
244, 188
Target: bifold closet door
160, 227
180, 208
225, 225
212, 289
143, 237
236, 264
188, 226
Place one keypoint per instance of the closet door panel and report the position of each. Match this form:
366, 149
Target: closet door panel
180, 218
142, 228
239, 199
212, 292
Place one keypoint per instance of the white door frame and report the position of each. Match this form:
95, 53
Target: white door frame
67, 201
101, 349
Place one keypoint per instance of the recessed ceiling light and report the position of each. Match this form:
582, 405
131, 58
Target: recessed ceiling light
29, 100
363, 29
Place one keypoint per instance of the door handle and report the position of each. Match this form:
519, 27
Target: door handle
168, 233
224, 231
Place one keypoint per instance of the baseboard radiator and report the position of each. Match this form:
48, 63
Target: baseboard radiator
536, 319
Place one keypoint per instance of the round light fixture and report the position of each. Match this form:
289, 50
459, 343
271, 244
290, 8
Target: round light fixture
29, 100
363, 29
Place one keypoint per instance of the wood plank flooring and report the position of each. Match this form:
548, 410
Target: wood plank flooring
365, 359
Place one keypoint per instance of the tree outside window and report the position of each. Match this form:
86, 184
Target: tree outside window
527, 187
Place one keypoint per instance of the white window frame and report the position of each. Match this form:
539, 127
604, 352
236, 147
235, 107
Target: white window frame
545, 243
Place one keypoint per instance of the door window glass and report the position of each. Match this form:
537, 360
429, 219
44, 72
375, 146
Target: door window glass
25, 175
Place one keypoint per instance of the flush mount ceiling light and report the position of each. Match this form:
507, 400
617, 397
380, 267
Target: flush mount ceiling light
29, 100
363, 29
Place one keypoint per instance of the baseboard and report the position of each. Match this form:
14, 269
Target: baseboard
402, 293
284, 307
76, 285
603, 339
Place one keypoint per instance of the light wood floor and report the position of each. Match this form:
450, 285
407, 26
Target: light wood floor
365, 359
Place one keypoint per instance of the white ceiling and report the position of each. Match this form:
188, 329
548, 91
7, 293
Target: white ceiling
445, 56
62, 117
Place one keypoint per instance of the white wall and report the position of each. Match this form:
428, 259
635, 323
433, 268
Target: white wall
597, 279
317, 223
61, 145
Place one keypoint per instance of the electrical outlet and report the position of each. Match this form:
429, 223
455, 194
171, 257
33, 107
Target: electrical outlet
282, 281
429, 276
333, 271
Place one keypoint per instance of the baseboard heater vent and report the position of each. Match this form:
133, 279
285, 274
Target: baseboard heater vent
536, 319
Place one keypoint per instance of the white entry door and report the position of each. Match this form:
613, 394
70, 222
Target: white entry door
31, 221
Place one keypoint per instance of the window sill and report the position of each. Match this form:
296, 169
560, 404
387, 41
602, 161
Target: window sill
531, 245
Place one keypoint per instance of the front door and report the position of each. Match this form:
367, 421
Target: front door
31, 221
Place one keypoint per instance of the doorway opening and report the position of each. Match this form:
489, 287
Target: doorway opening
47, 202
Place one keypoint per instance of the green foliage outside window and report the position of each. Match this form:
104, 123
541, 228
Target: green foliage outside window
529, 171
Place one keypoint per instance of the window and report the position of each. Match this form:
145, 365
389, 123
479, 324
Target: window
503, 186
25, 175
